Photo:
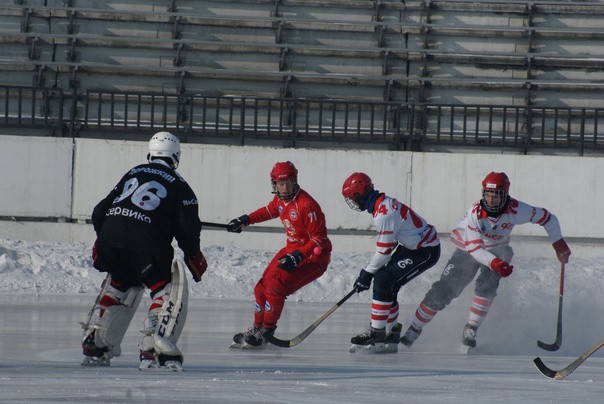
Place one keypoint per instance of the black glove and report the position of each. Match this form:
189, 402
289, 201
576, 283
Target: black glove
363, 282
236, 225
290, 261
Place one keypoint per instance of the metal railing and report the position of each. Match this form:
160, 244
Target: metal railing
398, 126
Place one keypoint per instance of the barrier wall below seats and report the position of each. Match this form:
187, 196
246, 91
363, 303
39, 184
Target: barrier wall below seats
43, 180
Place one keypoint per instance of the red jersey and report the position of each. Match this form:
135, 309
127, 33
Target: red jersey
303, 220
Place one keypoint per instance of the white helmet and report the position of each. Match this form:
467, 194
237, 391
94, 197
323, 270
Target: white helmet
165, 144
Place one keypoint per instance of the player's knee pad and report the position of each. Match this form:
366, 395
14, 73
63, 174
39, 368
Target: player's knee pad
163, 325
111, 315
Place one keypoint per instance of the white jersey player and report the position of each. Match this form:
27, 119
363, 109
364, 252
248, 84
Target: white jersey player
406, 247
482, 239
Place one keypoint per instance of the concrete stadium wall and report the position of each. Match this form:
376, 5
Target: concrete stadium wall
36, 176
62, 178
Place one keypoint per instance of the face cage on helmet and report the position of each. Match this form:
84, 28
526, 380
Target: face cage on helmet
352, 204
503, 197
288, 196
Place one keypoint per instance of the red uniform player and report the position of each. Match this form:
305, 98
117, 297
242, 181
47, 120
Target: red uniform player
304, 258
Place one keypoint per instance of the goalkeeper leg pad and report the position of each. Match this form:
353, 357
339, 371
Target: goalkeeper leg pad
110, 317
164, 325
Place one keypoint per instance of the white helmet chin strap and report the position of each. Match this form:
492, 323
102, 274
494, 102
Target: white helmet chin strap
159, 160
165, 145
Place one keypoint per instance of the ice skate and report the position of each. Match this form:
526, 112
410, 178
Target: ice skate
258, 337
93, 361
373, 336
392, 339
239, 338
174, 366
171, 362
469, 336
410, 336
389, 345
152, 362
93, 355
148, 360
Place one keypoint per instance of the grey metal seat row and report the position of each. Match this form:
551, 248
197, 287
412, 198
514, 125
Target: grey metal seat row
350, 48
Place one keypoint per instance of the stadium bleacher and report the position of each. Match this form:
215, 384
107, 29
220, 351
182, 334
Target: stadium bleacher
447, 52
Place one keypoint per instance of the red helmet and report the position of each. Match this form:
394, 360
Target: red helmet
496, 181
285, 171
499, 185
355, 189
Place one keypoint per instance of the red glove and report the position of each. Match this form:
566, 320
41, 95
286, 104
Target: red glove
94, 251
562, 250
501, 267
197, 265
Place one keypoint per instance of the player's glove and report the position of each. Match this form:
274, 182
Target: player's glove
363, 282
197, 265
562, 250
236, 225
290, 261
501, 267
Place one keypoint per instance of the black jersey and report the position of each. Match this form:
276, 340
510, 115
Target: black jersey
150, 206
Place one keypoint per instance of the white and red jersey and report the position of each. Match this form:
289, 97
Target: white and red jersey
396, 224
477, 232
303, 220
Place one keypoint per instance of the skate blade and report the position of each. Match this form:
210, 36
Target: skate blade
90, 361
374, 349
162, 369
150, 366
465, 349
245, 346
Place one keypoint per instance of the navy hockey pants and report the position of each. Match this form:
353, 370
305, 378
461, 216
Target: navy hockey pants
404, 265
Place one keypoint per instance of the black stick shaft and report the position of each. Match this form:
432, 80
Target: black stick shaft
211, 224
556, 345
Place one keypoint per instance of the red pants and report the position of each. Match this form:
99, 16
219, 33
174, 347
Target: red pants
276, 284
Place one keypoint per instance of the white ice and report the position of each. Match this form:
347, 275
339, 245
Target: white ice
48, 288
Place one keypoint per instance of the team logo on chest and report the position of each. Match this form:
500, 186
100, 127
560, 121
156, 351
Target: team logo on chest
289, 228
293, 215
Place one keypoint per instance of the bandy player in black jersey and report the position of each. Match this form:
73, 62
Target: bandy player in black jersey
135, 225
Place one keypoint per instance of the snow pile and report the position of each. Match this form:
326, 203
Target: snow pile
57, 268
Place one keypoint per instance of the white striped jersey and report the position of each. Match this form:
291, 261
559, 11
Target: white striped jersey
396, 224
477, 233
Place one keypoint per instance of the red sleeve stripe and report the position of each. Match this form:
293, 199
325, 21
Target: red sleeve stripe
432, 234
473, 245
545, 218
385, 245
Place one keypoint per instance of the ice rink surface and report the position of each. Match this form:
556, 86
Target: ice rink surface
40, 339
